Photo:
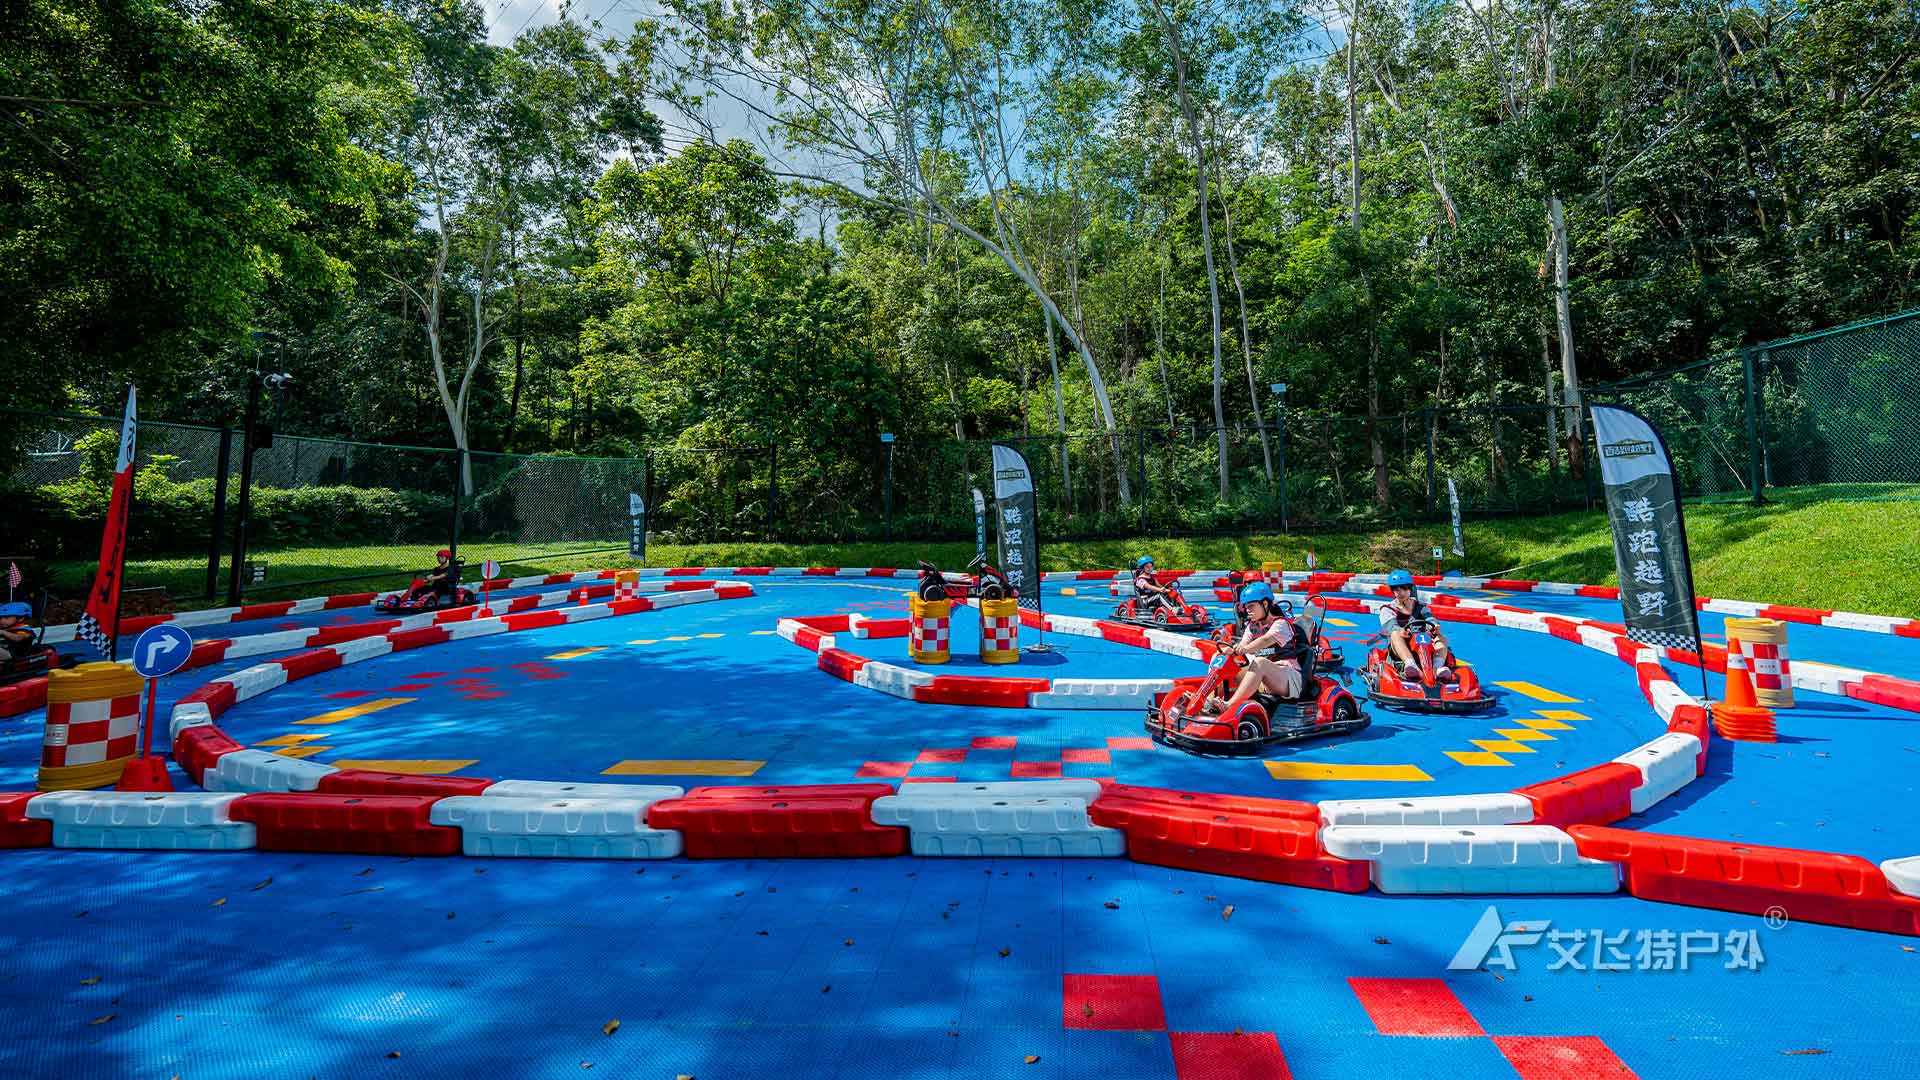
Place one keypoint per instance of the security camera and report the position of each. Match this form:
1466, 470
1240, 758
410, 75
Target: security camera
279, 380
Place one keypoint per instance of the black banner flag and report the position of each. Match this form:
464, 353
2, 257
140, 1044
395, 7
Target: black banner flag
1018, 521
1649, 532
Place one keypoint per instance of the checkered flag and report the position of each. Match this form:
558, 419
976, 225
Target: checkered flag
1663, 638
88, 630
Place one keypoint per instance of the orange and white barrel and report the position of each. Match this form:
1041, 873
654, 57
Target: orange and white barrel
929, 630
626, 585
1274, 574
93, 726
1763, 642
1000, 631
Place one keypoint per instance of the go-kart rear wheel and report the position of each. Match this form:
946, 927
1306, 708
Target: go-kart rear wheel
1344, 710
1247, 731
430, 602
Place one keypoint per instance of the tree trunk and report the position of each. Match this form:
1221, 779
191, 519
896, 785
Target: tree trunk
1246, 341
1160, 347
1563, 314
1206, 237
1060, 415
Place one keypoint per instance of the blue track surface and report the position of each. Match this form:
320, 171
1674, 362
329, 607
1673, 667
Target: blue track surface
326, 965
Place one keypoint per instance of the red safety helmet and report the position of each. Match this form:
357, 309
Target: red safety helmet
443, 553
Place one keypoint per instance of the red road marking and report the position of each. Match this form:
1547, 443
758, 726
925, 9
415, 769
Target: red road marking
1226, 1055
1086, 757
1414, 1007
474, 670
1129, 742
931, 780
947, 756
350, 694
1118, 1003
994, 742
408, 687
884, 769
1036, 770
1580, 1057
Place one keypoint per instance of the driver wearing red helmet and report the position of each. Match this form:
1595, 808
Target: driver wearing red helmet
1397, 614
1265, 635
443, 579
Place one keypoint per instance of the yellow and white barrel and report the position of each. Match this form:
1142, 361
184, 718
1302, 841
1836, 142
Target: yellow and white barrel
1763, 642
1000, 631
626, 584
1273, 574
93, 725
929, 630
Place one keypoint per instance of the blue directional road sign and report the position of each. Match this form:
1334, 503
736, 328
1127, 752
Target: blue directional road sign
161, 650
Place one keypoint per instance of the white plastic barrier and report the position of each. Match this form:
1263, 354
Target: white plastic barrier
258, 679
1494, 808
1520, 620
1557, 588
857, 625
1597, 638
1854, 620
1825, 678
1444, 859
1745, 608
1099, 693
1902, 874
153, 821
362, 649
1667, 696
969, 824
258, 770
890, 679
572, 827
1085, 790
555, 789
1173, 644
187, 714
472, 628
1666, 765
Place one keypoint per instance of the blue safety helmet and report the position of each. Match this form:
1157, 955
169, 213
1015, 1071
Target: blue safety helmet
16, 608
1258, 590
1142, 561
1400, 577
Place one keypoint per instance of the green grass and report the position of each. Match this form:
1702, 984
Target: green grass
1804, 550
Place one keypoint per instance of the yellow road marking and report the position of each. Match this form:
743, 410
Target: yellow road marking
1477, 757
1522, 734
678, 638
1339, 622
291, 740
644, 641
684, 768
1538, 693
1544, 725
352, 711
410, 766
572, 654
301, 751
762, 633
1501, 746
1069, 592
711, 635
1561, 714
1313, 770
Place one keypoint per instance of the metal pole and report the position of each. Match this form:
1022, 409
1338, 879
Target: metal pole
886, 489
246, 490
217, 536
1753, 427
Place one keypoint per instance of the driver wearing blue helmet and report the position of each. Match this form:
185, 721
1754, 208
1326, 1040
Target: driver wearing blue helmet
1396, 615
1148, 593
15, 635
1265, 635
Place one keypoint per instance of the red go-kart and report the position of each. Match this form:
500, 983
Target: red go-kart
1387, 685
33, 662
1326, 655
1174, 614
1189, 716
988, 584
413, 600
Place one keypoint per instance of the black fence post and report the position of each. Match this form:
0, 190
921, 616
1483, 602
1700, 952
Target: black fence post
1753, 426
1431, 424
249, 437
459, 489
217, 535
886, 482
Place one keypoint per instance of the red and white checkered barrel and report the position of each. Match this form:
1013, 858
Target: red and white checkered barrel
1763, 642
626, 585
1000, 631
1274, 574
93, 726
929, 630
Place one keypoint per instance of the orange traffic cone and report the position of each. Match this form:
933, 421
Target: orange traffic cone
1740, 716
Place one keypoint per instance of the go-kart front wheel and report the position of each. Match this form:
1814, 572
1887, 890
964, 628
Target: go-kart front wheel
1250, 723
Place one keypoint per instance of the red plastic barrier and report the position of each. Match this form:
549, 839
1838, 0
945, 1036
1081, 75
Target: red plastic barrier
1124, 635
532, 620
1005, 693
882, 571
1283, 850
433, 635
142, 622
1511, 584
1809, 886
1343, 603
218, 696
1603, 592
825, 821
207, 652
1648, 674
1887, 690
1794, 614
1627, 649
888, 628
1564, 629
1475, 616
820, 571
840, 663
262, 611
807, 638
1908, 629
753, 571
1601, 795
198, 748
630, 605
686, 571
831, 624
1692, 720
301, 665
1096, 575
23, 696
333, 635
364, 824
1122, 795
368, 782
359, 599
1427, 581
557, 579
732, 592
17, 830
1442, 600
